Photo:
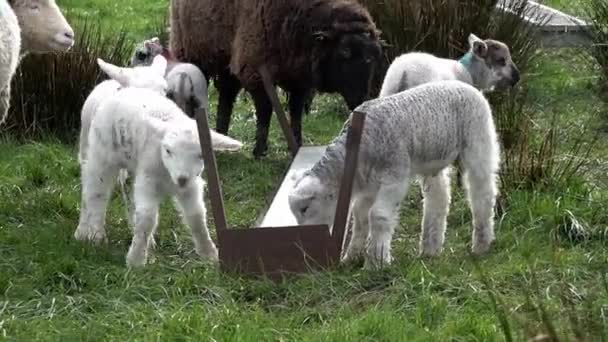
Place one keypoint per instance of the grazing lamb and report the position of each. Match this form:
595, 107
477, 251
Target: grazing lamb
331, 46
487, 65
187, 86
418, 132
147, 134
28, 26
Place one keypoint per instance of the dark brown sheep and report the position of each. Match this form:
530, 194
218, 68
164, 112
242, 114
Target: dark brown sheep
331, 46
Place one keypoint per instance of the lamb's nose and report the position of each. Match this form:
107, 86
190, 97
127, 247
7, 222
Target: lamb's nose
181, 181
69, 34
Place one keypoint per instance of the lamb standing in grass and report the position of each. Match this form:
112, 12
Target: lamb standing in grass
149, 135
187, 85
28, 26
421, 132
487, 65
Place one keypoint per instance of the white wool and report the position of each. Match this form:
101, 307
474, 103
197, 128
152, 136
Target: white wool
10, 40
419, 132
147, 134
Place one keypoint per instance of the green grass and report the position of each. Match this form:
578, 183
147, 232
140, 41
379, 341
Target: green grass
54, 288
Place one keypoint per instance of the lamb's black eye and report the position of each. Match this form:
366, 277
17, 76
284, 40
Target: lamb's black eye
502, 61
168, 152
303, 210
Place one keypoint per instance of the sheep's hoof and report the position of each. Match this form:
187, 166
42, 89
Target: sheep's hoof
259, 152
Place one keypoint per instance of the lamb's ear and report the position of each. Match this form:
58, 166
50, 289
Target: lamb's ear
159, 65
478, 46
119, 74
297, 174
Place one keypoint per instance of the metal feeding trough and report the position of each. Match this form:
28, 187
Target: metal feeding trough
278, 251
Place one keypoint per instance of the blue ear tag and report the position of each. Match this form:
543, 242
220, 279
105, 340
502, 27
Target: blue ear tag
466, 59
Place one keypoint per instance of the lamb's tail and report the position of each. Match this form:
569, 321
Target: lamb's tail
4, 103
222, 142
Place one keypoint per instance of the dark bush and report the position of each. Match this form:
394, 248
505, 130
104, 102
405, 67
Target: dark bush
49, 89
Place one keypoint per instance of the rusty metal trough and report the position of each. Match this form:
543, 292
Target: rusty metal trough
275, 252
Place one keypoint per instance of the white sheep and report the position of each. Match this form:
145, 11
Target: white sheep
147, 134
187, 85
417, 132
28, 26
487, 65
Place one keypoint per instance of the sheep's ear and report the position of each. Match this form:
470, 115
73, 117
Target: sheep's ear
159, 64
120, 75
478, 46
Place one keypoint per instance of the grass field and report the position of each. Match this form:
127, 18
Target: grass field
534, 282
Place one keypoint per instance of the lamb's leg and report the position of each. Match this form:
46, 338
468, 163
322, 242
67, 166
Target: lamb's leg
5, 102
436, 204
263, 111
147, 202
97, 183
356, 248
195, 215
383, 217
228, 88
481, 190
297, 101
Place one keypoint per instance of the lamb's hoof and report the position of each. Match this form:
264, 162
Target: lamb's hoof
481, 249
83, 233
430, 252
209, 253
352, 258
136, 259
373, 263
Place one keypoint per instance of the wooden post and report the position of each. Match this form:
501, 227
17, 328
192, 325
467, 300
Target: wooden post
353, 141
213, 179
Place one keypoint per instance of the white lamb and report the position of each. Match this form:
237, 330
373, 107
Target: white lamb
28, 26
149, 77
487, 65
187, 85
147, 134
417, 132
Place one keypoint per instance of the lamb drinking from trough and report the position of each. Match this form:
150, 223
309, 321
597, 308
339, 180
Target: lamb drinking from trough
147, 134
487, 65
418, 132
28, 26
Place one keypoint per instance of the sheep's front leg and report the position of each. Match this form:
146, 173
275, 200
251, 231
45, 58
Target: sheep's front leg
436, 192
195, 216
356, 247
383, 217
147, 201
97, 183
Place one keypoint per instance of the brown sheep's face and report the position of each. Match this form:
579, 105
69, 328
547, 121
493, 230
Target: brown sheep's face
349, 67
